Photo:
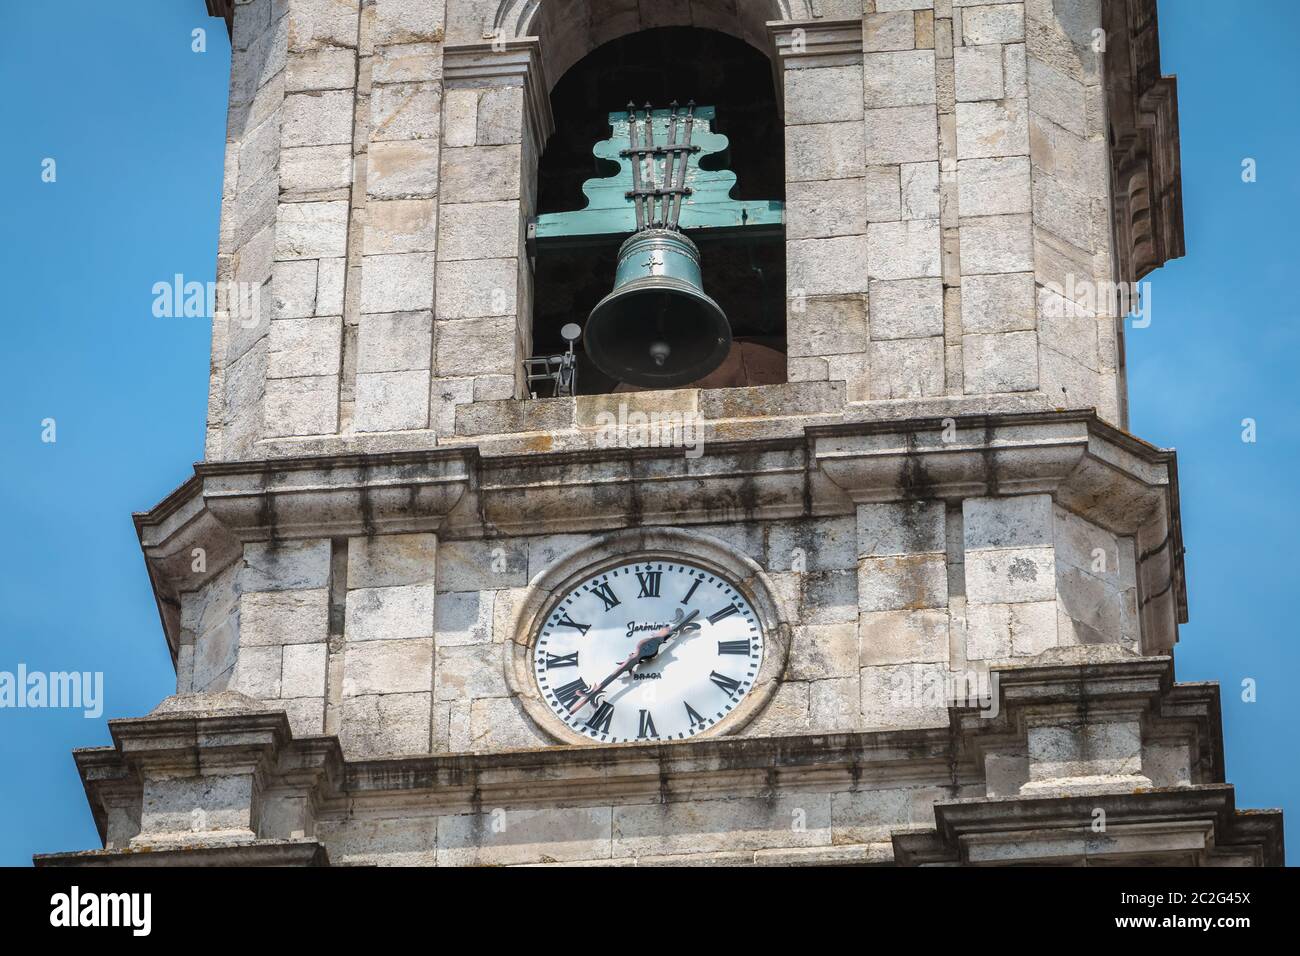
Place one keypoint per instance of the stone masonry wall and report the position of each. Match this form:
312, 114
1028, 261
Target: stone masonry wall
948, 188
399, 643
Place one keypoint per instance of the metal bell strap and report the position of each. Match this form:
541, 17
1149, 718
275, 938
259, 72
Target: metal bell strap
657, 196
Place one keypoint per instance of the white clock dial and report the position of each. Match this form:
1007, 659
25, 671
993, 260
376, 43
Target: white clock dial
610, 630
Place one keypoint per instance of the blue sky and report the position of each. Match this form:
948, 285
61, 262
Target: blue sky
135, 122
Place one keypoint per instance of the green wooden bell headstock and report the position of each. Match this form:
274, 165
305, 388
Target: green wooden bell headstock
668, 189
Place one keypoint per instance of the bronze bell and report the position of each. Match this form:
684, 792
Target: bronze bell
658, 328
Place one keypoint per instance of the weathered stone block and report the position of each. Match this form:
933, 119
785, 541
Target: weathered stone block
993, 23
1058, 97
331, 275
392, 401
402, 170
303, 672
257, 672
710, 826
397, 283
479, 231
312, 230
1011, 576
829, 325
992, 244
476, 346
904, 636
883, 188
998, 303
1000, 362
477, 288
888, 31
318, 118
482, 173
900, 528
920, 183
468, 672
283, 566
389, 613
824, 651
994, 187
978, 73
387, 667
833, 705
378, 725
828, 266
899, 79
391, 559
464, 617
904, 134
396, 343
310, 169
505, 837
329, 68
283, 617
301, 406
903, 250
816, 210
301, 347
907, 368
994, 128
1019, 521
500, 116
905, 695
405, 111
825, 151
401, 225
906, 309
902, 582
823, 95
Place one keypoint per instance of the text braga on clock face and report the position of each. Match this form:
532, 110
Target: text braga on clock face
675, 647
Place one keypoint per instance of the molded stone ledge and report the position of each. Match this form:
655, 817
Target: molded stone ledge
1093, 470
1196, 826
1081, 719
248, 853
304, 784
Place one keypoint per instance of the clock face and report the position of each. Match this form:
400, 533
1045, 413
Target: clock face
649, 650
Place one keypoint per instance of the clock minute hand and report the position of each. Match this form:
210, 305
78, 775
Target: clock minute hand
646, 648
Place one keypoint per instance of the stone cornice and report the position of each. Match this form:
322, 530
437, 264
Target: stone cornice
224, 9
1145, 149
811, 42
511, 63
191, 738
1094, 684
1091, 468
1170, 824
279, 853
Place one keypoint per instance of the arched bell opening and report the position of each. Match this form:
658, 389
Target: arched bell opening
742, 269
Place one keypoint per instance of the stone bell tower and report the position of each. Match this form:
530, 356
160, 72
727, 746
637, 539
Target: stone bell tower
948, 578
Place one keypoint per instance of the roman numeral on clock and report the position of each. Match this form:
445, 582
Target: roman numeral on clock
727, 647
687, 599
567, 694
606, 594
694, 718
727, 611
647, 726
566, 621
649, 583
729, 684
561, 660
599, 721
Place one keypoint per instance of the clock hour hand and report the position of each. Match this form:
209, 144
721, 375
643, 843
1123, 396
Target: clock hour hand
645, 649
